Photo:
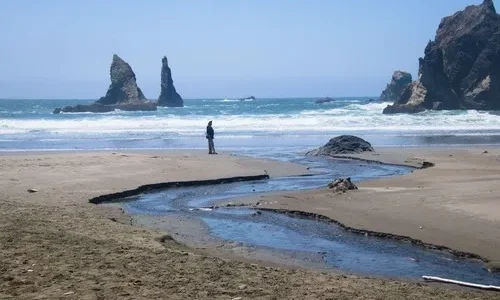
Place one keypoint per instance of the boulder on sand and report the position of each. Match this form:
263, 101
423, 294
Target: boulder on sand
342, 185
344, 144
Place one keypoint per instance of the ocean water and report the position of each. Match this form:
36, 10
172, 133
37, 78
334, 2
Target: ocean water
278, 124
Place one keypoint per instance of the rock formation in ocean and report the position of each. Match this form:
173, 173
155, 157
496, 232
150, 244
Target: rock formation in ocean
168, 95
461, 67
247, 98
123, 93
344, 144
393, 91
324, 100
100, 108
123, 87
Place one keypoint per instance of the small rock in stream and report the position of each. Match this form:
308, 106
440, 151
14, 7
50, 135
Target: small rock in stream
342, 185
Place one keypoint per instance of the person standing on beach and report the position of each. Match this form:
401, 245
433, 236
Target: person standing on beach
210, 138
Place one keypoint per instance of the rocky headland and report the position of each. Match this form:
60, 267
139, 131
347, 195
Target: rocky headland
460, 68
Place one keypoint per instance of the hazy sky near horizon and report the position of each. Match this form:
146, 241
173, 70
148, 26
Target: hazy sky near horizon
219, 48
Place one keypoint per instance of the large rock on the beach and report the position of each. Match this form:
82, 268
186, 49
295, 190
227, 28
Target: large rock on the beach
123, 93
168, 95
342, 185
123, 87
393, 91
344, 144
460, 68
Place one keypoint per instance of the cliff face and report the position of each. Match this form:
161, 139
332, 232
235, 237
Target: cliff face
460, 68
168, 95
393, 91
123, 87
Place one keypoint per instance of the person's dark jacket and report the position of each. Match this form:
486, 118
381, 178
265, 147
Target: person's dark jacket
210, 132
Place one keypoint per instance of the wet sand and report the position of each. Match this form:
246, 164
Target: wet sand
454, 203
54, 244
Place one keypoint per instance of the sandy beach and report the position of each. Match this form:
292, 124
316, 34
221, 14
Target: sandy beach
349, 162
54, 244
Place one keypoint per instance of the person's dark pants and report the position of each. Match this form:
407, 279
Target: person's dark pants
211, 147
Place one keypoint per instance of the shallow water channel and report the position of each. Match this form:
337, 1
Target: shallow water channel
337, 248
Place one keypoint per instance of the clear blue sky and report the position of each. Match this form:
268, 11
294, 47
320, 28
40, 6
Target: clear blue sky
219, 48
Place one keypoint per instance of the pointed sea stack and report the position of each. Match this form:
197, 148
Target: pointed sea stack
168, 95
123, 87
461, 67
123, 93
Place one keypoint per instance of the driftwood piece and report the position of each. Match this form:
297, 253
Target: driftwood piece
462, 283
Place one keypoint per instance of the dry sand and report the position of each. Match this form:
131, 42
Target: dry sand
55, 245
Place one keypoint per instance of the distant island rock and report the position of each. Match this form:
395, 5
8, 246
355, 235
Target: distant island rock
394, 90
460, 68
344, 144
247, 98
123, 93
324, 100
168, 95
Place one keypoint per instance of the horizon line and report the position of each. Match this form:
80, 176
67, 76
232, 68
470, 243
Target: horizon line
200, 98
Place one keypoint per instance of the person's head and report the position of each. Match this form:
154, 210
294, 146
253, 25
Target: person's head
210, 123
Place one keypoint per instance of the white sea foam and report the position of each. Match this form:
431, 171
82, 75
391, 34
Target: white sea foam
349, 118
233, 100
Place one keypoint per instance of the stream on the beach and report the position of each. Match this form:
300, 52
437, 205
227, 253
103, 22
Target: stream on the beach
337, 248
